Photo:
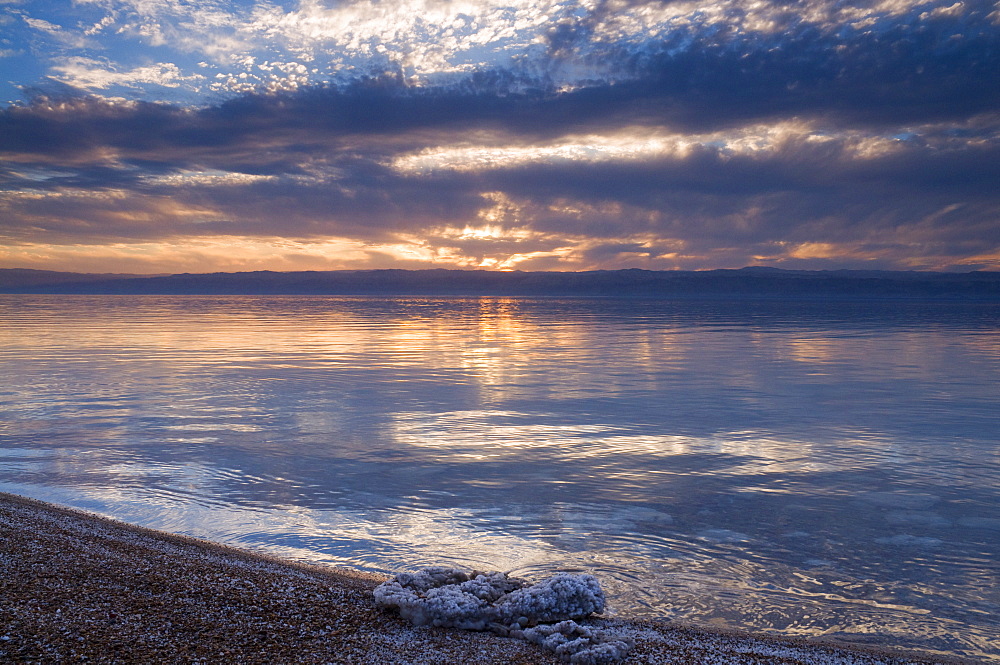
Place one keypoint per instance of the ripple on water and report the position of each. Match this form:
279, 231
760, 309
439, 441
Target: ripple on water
788, 467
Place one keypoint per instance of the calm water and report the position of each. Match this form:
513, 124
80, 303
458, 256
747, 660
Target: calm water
798, 468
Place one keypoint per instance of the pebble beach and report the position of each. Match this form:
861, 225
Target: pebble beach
79, 588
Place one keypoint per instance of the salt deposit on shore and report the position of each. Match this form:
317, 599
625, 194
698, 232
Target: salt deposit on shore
79, 588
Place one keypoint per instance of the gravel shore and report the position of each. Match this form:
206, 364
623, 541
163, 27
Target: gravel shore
79, 588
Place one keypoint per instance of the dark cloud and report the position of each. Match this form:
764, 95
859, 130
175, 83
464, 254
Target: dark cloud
780, 195
911, 70
700, 78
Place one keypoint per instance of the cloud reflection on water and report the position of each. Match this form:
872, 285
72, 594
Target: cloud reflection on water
774, 466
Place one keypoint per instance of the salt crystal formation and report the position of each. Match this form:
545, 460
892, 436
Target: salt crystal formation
542, 613
578, 644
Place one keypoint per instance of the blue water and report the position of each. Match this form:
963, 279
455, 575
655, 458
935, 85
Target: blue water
803, 469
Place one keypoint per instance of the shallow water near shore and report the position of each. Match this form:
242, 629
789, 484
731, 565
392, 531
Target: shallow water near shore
799, 468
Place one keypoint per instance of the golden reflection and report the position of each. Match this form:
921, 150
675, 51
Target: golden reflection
814, 350
507, 347
986, 343
494, 344
501, 334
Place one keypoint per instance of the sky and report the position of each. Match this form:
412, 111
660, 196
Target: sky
162, 136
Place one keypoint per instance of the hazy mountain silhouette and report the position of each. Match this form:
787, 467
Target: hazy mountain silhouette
752, 282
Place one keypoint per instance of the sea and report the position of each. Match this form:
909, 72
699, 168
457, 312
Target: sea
798, 468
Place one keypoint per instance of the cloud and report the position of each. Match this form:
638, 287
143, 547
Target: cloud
550, 44
677, 61
790, 193
58, 33
211, 28
621, 134
92, 74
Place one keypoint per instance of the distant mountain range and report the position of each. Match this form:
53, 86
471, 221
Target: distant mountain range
745, 283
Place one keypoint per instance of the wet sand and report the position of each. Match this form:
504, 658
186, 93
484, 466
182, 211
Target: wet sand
75, 587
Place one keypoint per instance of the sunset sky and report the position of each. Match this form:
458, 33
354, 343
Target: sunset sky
151, 136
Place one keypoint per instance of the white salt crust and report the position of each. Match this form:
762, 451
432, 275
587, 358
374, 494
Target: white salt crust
541, 613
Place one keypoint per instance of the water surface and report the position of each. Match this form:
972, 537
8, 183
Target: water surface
800, 468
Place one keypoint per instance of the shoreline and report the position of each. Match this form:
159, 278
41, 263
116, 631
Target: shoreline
79, 587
